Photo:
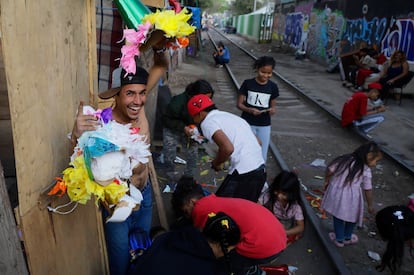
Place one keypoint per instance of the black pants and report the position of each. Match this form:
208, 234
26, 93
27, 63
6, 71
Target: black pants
246, 186
385, 91
240, 265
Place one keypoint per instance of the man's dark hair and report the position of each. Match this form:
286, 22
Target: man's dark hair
200, 86
187, 189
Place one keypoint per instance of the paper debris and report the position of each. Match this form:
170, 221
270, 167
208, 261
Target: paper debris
318, 163
373, 255
167, 189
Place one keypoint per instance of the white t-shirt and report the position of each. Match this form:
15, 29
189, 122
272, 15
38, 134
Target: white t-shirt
369, 62
247, 154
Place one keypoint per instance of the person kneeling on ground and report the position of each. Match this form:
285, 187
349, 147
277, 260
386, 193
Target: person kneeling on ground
178, 127
355, 110
262, 236
188, 250
222, 55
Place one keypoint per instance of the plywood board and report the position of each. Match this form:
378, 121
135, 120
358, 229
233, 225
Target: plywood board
49, 52
64, 244
47, 60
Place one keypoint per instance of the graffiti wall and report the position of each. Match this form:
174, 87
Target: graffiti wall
325, 31
328, 29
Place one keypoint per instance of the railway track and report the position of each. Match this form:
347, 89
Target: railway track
303, 131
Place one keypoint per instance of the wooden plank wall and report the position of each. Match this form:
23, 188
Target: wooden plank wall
49, 49
11, 254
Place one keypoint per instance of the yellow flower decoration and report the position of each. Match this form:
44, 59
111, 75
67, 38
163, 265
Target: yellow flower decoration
80, 187
171, 23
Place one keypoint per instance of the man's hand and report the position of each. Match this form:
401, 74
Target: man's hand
216, 167
139, 176
83, 123
381, 109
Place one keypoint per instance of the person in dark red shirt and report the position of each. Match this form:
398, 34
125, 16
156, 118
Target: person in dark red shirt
262, 236
355, 110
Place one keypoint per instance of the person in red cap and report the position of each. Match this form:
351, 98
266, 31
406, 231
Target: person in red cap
237, 143
355, 110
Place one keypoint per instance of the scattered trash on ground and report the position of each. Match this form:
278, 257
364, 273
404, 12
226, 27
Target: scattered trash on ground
204, 172
179, 160
372, 234
318, 163
374, 255
167, 189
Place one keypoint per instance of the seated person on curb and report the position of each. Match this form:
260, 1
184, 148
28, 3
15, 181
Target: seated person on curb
235, 141
375, 75
393, 73
222, 55
129, 100
355, 110
365, 66
262, 236
189, 250
178, 127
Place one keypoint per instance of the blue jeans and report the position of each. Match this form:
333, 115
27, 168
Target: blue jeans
367, 123
116, 234
343, 230
220, 60
263, 133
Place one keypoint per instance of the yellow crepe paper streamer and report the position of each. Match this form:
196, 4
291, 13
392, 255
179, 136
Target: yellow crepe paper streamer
171, 23
80, 187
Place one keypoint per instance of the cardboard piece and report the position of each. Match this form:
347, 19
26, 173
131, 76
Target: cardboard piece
154, 3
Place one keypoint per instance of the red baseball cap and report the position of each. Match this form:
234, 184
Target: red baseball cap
375, 85
198, 103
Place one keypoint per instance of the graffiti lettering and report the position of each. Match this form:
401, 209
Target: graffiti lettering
325, 32
400, 36
361, 30
293, 29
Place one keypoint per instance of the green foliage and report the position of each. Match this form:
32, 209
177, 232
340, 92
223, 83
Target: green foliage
213, 6
239, 7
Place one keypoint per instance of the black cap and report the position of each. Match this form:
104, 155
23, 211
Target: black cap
140, 77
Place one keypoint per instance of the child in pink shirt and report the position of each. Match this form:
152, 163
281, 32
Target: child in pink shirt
282, 199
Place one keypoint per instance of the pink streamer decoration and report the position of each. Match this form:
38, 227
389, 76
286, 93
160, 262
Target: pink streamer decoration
131, 48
